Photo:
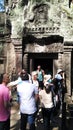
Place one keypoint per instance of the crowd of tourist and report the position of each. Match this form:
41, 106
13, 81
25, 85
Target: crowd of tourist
33, 90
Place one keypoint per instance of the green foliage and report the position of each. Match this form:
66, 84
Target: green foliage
68, 11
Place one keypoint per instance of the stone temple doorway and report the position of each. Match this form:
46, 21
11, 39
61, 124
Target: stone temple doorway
46, 64
46, 60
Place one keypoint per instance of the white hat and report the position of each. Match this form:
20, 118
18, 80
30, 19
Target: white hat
59, 70
47, 77
34, 73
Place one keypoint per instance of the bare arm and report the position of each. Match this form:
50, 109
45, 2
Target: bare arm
7, 104
36, 97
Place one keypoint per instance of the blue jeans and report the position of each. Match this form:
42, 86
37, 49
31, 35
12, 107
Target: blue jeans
28, 118
5, 125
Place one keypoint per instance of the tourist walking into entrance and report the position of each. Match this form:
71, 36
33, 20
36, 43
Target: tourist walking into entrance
40, 76
46, 99
4, 104
28, 96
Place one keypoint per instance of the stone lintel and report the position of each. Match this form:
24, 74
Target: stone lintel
52, 48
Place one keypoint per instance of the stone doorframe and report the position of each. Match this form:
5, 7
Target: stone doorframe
39, 56
57, 60
46, 45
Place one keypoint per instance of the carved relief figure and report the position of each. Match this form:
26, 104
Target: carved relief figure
41, 14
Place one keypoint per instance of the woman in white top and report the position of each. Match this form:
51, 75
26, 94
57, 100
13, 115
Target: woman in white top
34, 79
46, 100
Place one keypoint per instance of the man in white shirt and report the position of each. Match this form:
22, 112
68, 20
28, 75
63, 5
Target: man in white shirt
28, 96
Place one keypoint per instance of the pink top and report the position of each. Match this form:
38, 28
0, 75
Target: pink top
4, 96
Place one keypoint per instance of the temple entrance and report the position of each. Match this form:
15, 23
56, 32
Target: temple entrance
46, 60
46, 64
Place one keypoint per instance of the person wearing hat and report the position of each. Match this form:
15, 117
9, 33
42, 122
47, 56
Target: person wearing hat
59, 74
47, 105
60, 85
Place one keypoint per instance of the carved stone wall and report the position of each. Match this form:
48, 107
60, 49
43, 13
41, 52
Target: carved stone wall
17, 43
36, 48
39, 19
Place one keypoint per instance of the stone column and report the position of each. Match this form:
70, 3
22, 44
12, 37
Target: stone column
18, 53
18, 61
58, 63
25, 61
67, 66
9, 3
55, 67
31, 65
60, 60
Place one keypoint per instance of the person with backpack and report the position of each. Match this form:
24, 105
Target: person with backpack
47, 105
59, 79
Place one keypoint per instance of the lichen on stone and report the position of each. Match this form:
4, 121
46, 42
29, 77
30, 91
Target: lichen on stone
17, 20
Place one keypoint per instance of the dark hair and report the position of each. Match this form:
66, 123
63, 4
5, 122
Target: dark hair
24, 76
48, 88
1, 78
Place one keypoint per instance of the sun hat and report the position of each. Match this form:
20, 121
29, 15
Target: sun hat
59, 70
47, 77
34, 73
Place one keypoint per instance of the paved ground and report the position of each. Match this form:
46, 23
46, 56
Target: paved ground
15, 120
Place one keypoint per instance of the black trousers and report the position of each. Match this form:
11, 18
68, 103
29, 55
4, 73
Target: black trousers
41, 85
5, 125
47, 113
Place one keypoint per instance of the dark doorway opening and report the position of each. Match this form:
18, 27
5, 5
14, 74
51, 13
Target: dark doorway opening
46, 64
46, 60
